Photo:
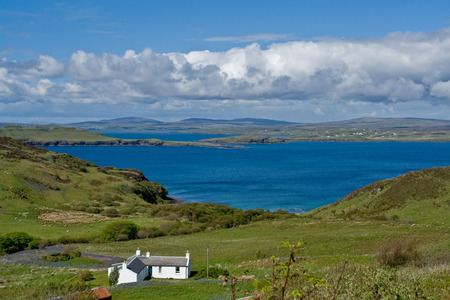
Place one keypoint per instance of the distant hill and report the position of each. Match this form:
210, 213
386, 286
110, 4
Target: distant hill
419, 196
235, 122
382, 123
120, 123
142, 123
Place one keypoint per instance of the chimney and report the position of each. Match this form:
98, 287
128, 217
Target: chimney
138, 252
188, 255
147, 254
124, 265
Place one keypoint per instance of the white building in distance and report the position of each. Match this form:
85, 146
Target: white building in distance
139, 267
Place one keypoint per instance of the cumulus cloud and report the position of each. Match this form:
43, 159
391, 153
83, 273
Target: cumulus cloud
397, 68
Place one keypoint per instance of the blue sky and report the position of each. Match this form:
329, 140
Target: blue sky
303, 61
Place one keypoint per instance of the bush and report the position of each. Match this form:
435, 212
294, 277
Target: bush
114, 276
55, 257
399, 251
68, 253
14, 242
85, 275
110, 212
151, 192
114, 230
146, 232
214, 272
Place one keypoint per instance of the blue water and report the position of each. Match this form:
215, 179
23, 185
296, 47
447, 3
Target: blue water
166, 135
295, 177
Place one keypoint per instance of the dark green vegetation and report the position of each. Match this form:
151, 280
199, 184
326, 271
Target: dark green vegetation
14, 242
388, 240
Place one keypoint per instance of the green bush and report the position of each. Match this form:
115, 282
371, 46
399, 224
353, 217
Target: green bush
146, 232
120, 228
214, 272
14, 242
113, 277
85, 275
151, 192
68, 253
110, 212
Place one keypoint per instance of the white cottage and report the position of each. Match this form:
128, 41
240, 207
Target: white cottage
138, 267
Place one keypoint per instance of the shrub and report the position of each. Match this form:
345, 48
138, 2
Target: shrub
55, 257
110, 212
85, 275
113, 277
14, 242
68, 253
72, 251
399, 251
112, 231
146, 232
214, 272
151, 192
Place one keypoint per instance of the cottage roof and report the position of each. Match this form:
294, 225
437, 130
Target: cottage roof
177, 261
136, 265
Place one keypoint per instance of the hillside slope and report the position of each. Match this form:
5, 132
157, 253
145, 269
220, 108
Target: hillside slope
419, 196
38, 186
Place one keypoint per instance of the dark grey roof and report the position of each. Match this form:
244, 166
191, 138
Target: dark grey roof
177, 261
136, 265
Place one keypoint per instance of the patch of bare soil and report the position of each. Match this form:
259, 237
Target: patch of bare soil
67, 218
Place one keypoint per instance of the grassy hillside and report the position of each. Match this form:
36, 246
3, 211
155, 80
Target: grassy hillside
419, 196
41, 192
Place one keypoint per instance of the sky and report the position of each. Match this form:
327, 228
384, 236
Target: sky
299, 61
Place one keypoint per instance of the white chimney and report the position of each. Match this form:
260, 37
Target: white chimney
138, 252
188, 255
124, 265
147, 254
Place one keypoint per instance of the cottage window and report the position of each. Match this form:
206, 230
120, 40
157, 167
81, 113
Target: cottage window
160, 270
177, 269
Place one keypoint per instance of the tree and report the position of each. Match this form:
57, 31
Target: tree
14, 242
114, 276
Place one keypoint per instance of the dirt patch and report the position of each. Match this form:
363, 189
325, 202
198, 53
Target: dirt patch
66, 218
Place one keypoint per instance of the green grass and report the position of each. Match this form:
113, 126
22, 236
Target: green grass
323, 239
248, 248
53, 133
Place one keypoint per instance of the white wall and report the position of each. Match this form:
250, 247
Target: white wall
169, 272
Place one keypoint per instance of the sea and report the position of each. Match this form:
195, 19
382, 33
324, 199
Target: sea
295, 177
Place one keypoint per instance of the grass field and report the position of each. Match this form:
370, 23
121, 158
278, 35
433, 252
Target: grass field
247, 249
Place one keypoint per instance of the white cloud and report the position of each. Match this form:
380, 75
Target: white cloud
399, 68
